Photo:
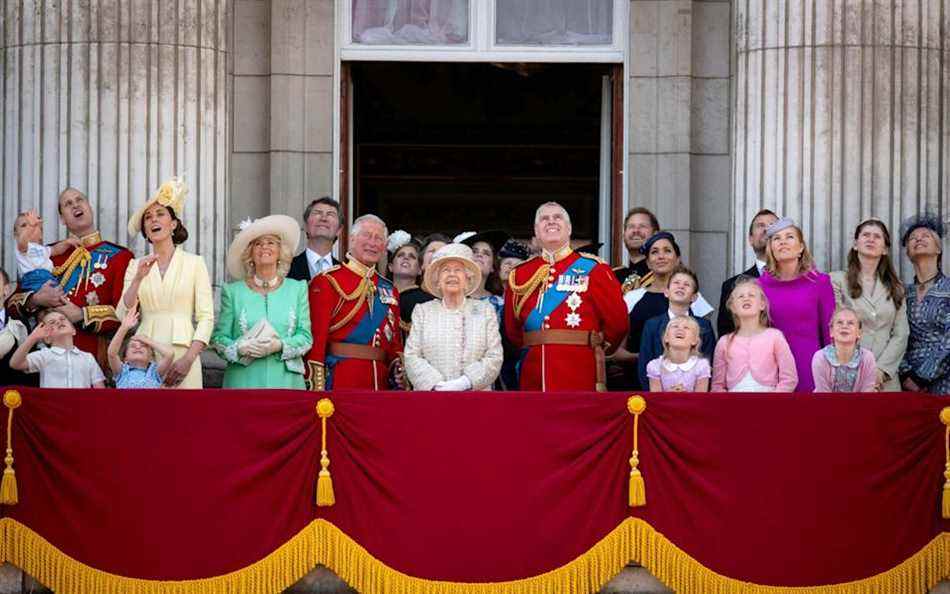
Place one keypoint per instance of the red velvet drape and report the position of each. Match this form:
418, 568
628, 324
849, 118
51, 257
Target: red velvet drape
773, 489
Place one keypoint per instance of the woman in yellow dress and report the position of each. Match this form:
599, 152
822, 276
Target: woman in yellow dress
171, 286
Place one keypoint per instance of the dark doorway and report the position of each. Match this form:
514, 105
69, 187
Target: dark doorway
455, 146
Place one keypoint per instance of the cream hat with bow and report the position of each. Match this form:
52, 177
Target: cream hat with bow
170, 194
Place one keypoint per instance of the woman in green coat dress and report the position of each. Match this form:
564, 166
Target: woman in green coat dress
263, 328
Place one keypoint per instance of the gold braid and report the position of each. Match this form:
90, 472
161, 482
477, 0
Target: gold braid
79, 257
524, 290
358, 293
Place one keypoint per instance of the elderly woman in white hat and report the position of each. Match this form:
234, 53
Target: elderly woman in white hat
263, 328
454, 344
170, 285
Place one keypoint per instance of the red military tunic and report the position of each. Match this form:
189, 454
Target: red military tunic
92, 277
340, 312
595, 304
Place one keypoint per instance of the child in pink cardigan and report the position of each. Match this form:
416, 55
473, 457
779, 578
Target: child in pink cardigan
754, 358
843, 365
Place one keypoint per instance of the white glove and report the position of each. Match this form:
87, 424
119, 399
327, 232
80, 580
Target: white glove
459, 384
261, 347
251, 348
271, 345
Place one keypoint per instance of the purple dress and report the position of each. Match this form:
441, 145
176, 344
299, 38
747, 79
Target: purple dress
801, 308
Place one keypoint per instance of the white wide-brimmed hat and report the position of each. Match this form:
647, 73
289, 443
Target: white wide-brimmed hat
170, 194
458, 252
282, 226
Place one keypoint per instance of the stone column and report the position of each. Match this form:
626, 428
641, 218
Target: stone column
679, 162
842, 113
113, 97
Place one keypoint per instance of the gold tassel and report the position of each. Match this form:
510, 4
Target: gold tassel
638, 491
945, 418
325, 497
8, 488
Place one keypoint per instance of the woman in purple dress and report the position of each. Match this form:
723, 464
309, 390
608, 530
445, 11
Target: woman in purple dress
801, 298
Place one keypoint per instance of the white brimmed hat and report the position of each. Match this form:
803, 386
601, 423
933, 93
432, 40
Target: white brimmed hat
282, 226
170, 194
458, 252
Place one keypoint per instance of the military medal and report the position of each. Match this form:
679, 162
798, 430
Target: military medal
573, 319
97, 279
92, 298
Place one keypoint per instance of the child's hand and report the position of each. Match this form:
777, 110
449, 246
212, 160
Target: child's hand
33, 218
41, 332
73, 241
131, 317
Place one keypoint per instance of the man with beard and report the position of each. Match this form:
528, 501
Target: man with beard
566, 308
354, 315
322, 221
90, 280
757, 241
638, 226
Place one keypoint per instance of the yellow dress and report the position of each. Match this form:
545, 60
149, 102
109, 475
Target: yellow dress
176, 308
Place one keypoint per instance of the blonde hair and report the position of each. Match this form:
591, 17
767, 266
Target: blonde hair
805, 261
693, 325
765, 319
283, 260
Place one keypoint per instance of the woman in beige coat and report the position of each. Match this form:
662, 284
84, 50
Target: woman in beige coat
871, 287
454, 344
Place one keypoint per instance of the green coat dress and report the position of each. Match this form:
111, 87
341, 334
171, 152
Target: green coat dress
287, 310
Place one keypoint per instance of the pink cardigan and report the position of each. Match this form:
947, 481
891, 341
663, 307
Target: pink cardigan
824, 372
766, 355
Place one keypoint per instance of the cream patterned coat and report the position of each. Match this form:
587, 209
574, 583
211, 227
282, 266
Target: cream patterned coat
445, 344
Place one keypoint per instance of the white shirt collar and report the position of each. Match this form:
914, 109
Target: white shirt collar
759, 265
313, 258
61, 350
670, 366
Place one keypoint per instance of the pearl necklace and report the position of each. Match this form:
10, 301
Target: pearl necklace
265, 284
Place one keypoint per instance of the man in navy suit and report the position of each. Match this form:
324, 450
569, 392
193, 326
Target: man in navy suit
322, 221
757, 241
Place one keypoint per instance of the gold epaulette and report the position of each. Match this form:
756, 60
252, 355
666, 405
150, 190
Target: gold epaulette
525, 289
330, 269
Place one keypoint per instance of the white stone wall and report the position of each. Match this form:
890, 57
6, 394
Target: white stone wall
842, 113
113, 97
283, 107
679, 96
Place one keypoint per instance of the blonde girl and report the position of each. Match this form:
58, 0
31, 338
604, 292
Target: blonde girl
681, 368
756, 357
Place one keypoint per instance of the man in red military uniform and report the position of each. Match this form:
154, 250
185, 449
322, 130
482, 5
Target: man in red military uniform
566, 308
354, 315
90, 280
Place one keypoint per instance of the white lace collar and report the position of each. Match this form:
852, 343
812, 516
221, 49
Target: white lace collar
689, 364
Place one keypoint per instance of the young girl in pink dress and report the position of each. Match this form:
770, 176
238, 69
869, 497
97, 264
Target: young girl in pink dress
756, 357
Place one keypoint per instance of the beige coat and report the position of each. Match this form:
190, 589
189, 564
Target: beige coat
444, 345
884, 329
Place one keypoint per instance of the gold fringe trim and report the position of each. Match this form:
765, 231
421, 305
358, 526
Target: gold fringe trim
323, 543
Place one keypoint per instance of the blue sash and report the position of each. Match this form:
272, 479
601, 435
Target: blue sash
362, 333
554, 297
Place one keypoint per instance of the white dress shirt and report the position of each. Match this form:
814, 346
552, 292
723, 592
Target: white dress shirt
64, 368
318, 263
